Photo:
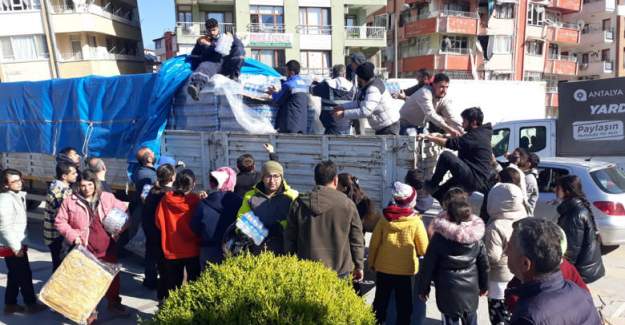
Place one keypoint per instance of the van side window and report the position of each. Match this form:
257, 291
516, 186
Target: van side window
547, 178
533, 138
500, 141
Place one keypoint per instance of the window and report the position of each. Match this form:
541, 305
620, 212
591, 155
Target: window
455, 44
220, 17
185, 18
611, 180
606, 25
534, 47
158, 44
456, 6
501, 76
500, 141
272, 58
502, 45
533, 76
533, 138
423, 10
554, 51
315, 21
267, 19
19, 5
23, 48
547, 178
535, 14
504, 11
316, 62
605, 55
350, 21
586, 29
585, 58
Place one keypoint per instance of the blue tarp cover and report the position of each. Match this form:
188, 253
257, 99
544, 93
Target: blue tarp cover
100, 116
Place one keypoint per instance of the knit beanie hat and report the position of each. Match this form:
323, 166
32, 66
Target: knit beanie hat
226, 179
358, 58
404, 195
272, 167
366, 71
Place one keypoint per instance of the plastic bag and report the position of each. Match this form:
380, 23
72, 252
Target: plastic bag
115, 221
224, 44
78, 285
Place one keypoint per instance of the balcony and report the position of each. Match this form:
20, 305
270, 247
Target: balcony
561, 65
563, 34
566, 5
453, 59
315, 37
365, 36
94, 54
93, 18
596, 68
598, 6
188, 32
594, 36
447, 21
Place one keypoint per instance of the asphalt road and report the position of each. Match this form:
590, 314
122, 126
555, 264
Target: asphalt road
608, 292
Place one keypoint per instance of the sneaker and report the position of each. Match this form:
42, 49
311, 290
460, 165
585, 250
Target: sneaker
194, 92
118, 310
13, 309
35, 308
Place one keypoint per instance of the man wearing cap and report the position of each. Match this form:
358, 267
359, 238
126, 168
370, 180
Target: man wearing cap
270, 201
356, 59
373, 102
324, 226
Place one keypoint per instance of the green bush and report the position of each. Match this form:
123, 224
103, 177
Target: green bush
265, 289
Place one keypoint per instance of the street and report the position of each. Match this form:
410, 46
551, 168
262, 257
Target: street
608, 293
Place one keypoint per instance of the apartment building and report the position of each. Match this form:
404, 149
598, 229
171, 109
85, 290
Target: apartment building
601, 49
318, 33
166, 46
64, 38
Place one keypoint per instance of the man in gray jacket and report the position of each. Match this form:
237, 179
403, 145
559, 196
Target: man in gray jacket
324, 225
373, 102
430, 104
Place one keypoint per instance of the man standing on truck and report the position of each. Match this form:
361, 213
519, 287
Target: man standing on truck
214, 53
423, 79
430, 104
471, 168
355, 60
335, 91
292, 101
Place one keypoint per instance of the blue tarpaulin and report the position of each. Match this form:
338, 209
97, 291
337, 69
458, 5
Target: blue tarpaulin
251, 66
100, 116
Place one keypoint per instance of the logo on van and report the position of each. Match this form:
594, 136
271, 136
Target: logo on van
580, 95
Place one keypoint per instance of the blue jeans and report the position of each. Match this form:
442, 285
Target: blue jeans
418, 308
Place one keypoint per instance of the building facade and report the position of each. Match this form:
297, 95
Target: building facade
64, 39
166, 47
318, 33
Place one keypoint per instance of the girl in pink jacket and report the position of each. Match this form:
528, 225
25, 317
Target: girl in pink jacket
79, 221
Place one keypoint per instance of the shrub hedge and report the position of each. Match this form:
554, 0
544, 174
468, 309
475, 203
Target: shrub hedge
265, 289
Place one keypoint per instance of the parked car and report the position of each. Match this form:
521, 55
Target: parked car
604, 186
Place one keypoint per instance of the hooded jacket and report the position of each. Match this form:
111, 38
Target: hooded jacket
505, 206
333, 92
397, 243
292, 102
13, 220
213, 216
474, 149
375, 103
531, 181
173, 217
583, 250
272, 212
553, 301
324, 226
456, 261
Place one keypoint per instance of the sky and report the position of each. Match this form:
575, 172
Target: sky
157, 16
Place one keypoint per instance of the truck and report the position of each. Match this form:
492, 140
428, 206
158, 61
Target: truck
589, 125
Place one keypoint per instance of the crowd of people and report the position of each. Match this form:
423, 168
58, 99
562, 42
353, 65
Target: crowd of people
532, 271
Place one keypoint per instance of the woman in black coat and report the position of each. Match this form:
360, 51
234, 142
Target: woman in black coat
457, 264
578, 223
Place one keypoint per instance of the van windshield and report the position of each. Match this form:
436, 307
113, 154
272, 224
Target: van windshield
610, 180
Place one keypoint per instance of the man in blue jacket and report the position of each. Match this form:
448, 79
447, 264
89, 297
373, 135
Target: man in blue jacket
292, 101
209, 58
